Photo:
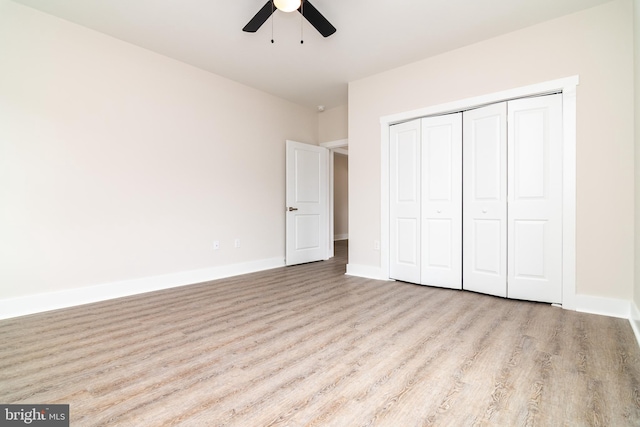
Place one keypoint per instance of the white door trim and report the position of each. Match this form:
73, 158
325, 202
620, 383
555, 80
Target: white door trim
334, 145
568, 87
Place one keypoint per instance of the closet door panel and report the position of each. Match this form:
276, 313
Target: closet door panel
485, 200
528, 248
535, 199
441, 263
404, 196
486, 247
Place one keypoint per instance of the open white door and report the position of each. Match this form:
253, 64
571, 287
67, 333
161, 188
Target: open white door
307, 230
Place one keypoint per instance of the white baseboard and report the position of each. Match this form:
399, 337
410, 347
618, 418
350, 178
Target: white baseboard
603, 306
30, 304
611, 307
634, 319
341, 237
366, 271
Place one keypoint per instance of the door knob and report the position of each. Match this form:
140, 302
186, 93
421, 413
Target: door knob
484, 211
292, 209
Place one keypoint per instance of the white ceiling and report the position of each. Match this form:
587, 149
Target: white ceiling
372, 36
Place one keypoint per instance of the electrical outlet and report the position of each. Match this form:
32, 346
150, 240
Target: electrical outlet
236, 243
376, 245
216, 245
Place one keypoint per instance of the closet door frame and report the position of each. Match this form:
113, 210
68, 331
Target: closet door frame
567, 87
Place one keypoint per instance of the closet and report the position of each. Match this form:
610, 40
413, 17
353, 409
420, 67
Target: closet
476, 200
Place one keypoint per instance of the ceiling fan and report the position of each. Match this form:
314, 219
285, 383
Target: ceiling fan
307, 10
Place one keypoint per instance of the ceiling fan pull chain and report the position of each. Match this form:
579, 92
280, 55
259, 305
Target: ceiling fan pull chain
301, 22
272, 10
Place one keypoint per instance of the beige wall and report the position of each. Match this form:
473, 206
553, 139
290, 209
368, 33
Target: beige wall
636, 22
117, 163
333, 124
595, 44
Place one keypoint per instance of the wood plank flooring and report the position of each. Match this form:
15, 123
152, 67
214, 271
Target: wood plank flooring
309, 346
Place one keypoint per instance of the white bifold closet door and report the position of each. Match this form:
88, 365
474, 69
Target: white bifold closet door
485, 200
404, 197
535, 199
426, 201
476, 200
441, 197
512, 226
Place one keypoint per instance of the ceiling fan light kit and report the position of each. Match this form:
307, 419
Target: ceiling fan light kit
287, 5
311, 14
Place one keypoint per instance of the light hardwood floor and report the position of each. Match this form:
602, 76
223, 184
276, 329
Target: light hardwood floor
309, 346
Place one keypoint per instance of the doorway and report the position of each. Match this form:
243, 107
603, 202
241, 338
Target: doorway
338, 192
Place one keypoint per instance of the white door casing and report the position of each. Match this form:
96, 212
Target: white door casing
535, 199
485, 200
307, 203
404, 194
441, 196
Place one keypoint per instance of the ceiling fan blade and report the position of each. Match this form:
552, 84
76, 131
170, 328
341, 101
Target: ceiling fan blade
260, 18
316, 19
